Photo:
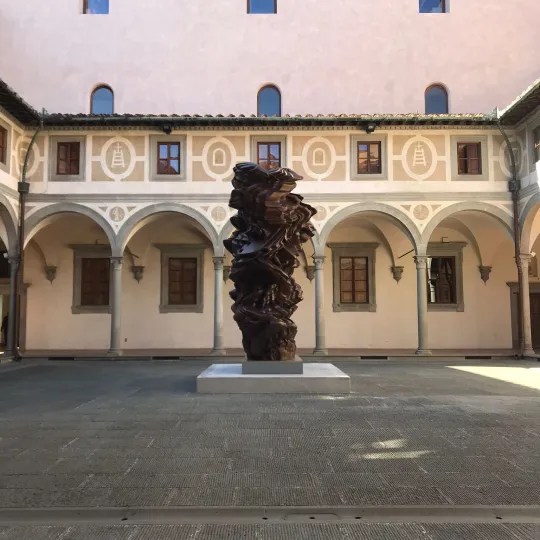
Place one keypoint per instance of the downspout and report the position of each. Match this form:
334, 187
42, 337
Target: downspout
23, 187
514, 186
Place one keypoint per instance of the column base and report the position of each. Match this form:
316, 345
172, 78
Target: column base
529, 352
423, 352
218, 352
320, 352
115, 353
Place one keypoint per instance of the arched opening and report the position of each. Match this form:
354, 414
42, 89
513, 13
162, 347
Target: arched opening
102, 100
436, 100
269, 101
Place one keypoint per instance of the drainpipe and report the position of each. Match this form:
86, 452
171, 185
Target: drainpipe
23, 187
514, 186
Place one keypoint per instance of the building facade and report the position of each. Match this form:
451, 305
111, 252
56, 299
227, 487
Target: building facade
129, 172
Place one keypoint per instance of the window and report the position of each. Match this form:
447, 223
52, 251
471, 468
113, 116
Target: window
3, 145
102, 101
91, 279
181, 278
536, 139
96, 7
469, 158
436, 100
353, 268
445, 276
168, 158
269, 101
269, 155
95, 282
262, 6
433, 6
369, 157
68, 156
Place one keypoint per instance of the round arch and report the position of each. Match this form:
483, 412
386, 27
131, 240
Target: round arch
485, 208
9, 220
135, 222
526, 220
35, 221
102, 100
406, 223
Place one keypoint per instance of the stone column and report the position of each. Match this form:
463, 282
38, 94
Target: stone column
11, 345
116, 307
218, 349
320, 331
526, 306
421, 296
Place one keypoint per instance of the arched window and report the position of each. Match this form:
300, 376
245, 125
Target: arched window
102, 101
269, 101
436, 100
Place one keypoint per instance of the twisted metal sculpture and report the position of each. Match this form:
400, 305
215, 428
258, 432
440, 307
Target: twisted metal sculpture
271, 225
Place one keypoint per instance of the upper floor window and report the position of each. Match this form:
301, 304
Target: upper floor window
469, 158
433, 6
96, 7
269, 101
68, 158
536, 135
102, 101
3, 144
262, 6
369, 157
168, 158
269, 155
436, 100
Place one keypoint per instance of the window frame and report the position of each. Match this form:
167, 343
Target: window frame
354, 250
187, 251
100, 87
445, 6
373, 138
442, 87
469, 159
81, 252
169, 145
85, 8
5, 163
448, 249
69, 145
53, 159
154, 140
249, 12
269, 139
462, 139
259, 115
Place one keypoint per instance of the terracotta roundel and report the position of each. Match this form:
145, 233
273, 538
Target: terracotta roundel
117, 213
421, 212
219, 213
321, 213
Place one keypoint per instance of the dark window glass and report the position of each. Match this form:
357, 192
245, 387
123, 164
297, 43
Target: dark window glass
442, 280
95, 282
168, 158
536, 136
369, 158
3, 145
432, 6
5, 266
182, 281
102, 101
68, 158
436, 100
353, 280
269, 155
269, 101
262, 6
469, 158
96, 7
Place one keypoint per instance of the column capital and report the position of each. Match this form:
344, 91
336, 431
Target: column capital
218, 262
319, 261
525, 258
421, 261
116, 262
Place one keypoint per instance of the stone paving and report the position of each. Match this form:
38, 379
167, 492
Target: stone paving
134, 434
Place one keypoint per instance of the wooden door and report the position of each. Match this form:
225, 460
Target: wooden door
535, 320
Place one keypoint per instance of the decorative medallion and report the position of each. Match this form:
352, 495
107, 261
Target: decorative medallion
118, 158
219, 213
117, 214
419, 158
321, 213
421, 212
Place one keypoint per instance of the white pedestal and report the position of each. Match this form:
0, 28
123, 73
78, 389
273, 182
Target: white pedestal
316, 379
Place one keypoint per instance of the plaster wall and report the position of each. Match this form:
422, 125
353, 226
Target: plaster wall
211, 57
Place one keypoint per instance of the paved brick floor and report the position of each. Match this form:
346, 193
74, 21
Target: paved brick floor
134, 434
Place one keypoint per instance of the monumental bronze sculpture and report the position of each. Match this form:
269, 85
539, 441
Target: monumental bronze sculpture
271, 225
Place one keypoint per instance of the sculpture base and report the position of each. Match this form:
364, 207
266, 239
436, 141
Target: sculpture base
258, 367
315, 379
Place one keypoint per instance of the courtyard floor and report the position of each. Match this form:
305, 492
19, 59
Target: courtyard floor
422, 449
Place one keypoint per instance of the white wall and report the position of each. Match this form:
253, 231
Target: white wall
192, 56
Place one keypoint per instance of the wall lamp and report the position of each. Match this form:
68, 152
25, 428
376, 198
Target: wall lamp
370, 128
167, 128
